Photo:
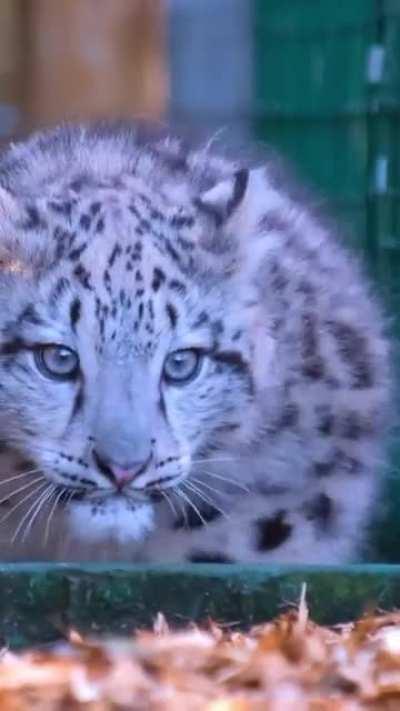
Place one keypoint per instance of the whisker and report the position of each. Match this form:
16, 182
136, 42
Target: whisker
44, 499
169, 502
21, 488
206, 498
186, 498
219, 492
34, 509
234, 482
26, 498
58, 496
198, 491
173, 492
19, 476
213, 460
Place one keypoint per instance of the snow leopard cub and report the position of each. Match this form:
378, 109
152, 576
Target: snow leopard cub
190, 363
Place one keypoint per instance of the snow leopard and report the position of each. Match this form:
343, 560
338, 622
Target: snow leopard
193, 366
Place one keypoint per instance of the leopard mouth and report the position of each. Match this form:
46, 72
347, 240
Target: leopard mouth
151, 493
70, 496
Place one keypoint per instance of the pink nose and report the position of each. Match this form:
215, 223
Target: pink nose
124, 475
120, 474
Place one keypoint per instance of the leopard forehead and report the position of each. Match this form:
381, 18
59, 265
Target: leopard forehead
129, 257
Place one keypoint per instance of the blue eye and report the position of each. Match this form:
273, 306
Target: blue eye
182, 366
57, 362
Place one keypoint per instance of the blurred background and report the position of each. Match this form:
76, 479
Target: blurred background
316, 79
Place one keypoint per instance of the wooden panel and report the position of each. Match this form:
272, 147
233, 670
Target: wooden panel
10, 51
95, 58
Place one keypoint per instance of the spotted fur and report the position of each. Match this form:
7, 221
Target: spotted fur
126, 250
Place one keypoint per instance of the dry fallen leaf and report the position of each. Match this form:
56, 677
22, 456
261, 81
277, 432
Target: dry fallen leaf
287, 664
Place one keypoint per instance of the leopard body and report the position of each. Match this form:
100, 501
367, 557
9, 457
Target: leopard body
124, 250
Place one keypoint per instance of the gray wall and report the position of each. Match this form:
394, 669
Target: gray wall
210, 63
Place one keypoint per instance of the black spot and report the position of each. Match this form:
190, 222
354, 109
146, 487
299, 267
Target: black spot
76, 253
200, 320
177, 286
145, 225
193, 520
107, 280
309, 337
323, 469
83, 276
352, 427
272, 531
172, 314
208, 557
289, 417
61, 286
314, 368
75, 312
279, 280
61, 208
133, 209
150, 309
79, 182
114, 254
182, 221
94, 208
276, 325
172, 251
320, 510
185, 244
362, 376
85, 222
99, 225
352, 347
156, 215
325, 420
304, 287
158, 279
30, 315
34, 220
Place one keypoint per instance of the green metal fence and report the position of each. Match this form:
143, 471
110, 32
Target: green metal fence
327, 94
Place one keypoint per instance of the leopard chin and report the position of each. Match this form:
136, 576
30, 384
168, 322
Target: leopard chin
113, 518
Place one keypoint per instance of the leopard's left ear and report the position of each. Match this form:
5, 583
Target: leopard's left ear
237, 202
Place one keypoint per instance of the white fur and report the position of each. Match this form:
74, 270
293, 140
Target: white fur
115, 520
